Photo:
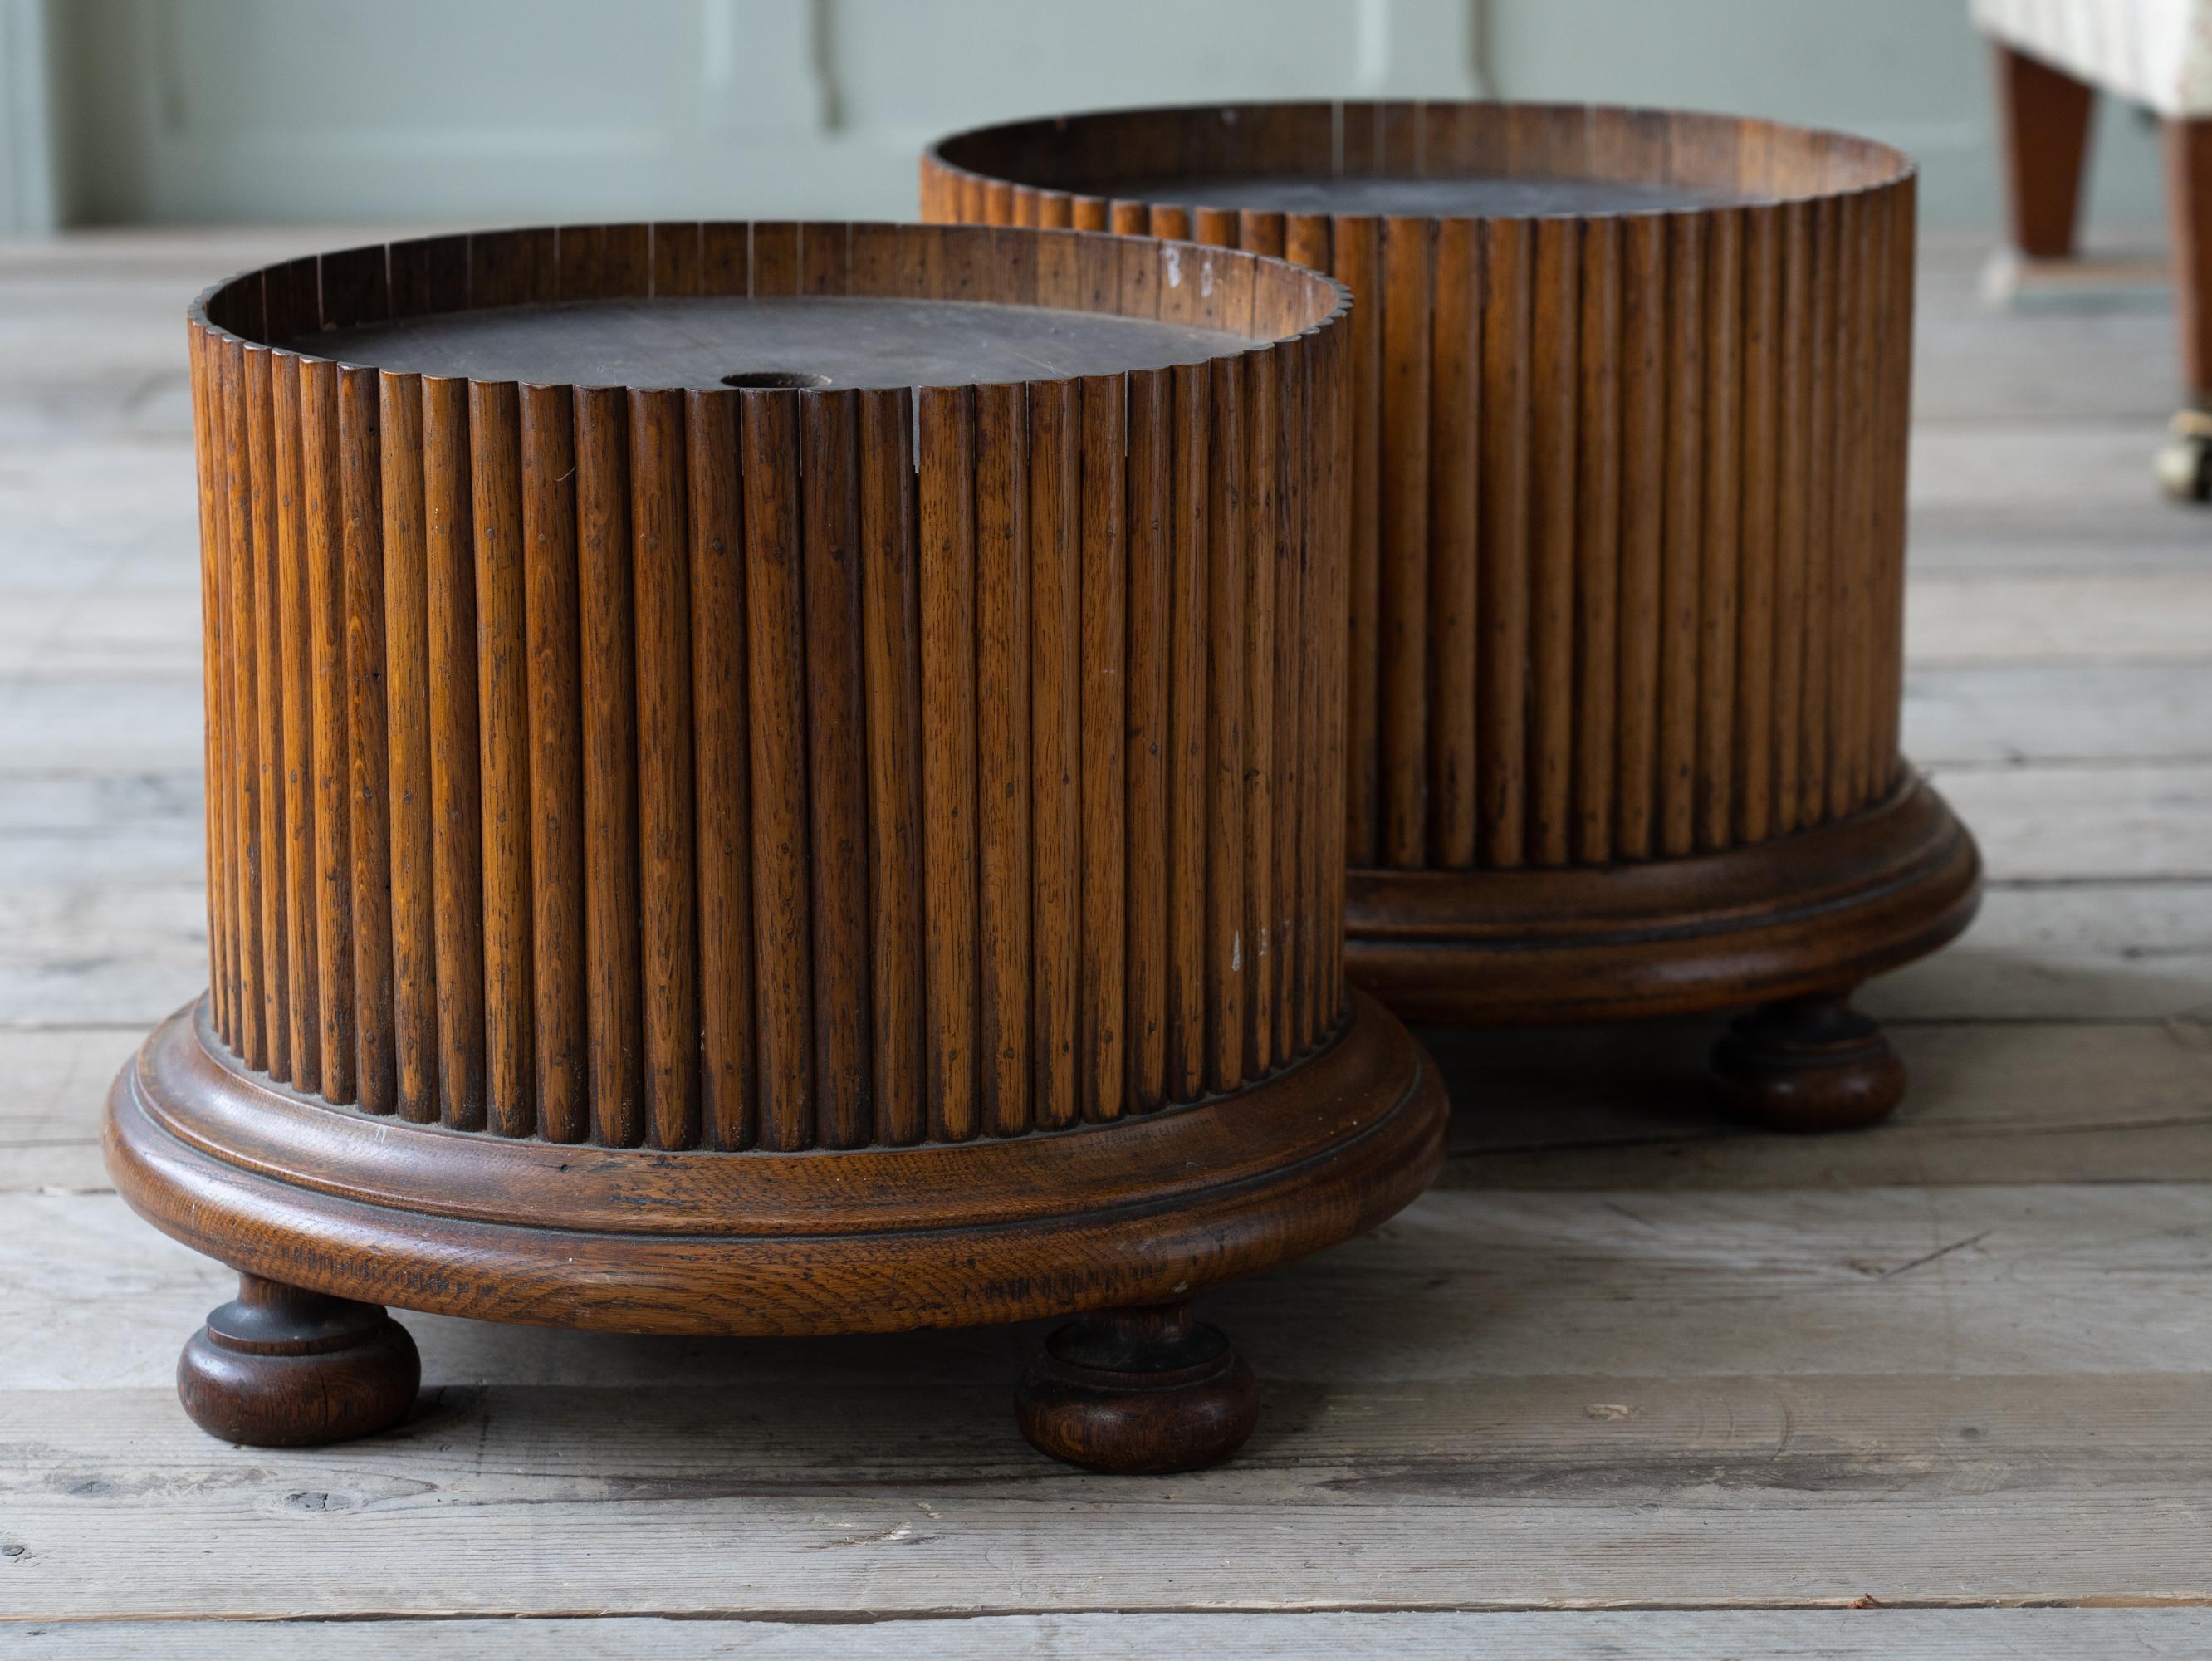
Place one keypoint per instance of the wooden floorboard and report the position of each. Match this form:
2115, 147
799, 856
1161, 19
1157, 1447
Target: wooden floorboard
1866, 1632
1630, 1381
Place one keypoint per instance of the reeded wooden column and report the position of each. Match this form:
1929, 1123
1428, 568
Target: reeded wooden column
1628, 409
709, 693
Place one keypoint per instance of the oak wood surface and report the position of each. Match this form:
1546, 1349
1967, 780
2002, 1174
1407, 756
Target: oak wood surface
620, 714
743, 1178
1629, 402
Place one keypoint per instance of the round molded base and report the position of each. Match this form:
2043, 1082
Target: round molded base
1144, 1210
1139, 1392
1799, 915
278, 1367
1811, 1063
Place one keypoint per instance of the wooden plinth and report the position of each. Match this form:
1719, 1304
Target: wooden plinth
1822, 910
283, 1186
842, 822
1629, 405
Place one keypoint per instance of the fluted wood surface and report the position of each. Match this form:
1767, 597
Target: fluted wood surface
1627, 487
773, 769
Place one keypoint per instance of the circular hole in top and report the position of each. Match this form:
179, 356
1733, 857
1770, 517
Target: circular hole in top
771, 380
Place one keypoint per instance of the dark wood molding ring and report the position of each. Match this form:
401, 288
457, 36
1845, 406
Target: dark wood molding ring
981, 1233
1821, 909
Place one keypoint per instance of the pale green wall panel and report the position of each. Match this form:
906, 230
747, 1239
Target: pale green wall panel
487, 110
1912, 72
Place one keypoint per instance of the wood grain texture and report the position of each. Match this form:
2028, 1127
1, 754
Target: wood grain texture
1625, 488
772, 769
262, 551
456, 737
502, 671
1628, 423
407, 699
1824, 1635
608, 690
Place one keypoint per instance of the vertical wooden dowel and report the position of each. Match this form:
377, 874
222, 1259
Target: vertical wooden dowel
1403, 552
1874, 775
1857, 562
297, 729
783, 959
890, 620
560, 1026
722, 764
1102, 411
1189, 578
1003, 774
1502, 606
1642, 484
1455, 495
1306, 240
360, 469
1224, 679
1257, 501
1753, 769
1896, 416
1150, 527
1335, 585
1847, 501
1555, 314
456, 737
1597, 541
270, 684
1359, 267
1883, 321
216, 647
667, 895
608, 695
1284, 673
1681, 538
1719, 586
502, 666
1792, 486
407, 692
1815, 620
1055, 747
947, 519
1260, 232
233, 481
323, 505
1321, 715
836, 762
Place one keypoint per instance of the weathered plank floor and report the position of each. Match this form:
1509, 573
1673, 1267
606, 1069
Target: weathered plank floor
1625, 1382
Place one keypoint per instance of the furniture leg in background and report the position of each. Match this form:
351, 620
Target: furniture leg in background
2044, 114
2184, 464
2053, 56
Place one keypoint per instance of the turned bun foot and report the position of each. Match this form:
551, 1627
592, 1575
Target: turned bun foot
280, 1367
1139, 1392
1812, 1063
